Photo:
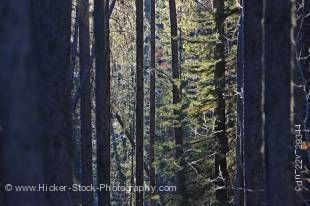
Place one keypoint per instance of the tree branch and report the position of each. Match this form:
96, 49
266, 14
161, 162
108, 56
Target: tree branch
121, 122
235, 10
127, 134
111, 8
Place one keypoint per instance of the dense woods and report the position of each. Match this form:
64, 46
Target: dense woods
154, 102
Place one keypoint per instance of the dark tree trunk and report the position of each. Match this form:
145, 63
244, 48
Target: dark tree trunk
52, 20
220, 126
22, 134
254, 179
85, 108
176, 99
239, 191
139, 100
152, 100
103, 110
278, 69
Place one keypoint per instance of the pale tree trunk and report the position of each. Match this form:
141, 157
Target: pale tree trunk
75, 113
239, 192
121, 178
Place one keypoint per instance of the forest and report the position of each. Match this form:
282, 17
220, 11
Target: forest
154, 102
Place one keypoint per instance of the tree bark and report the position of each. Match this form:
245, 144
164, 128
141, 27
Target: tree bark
75, 114
22, 128
52, 20
176, 99
103, 108
278, 66
254, 178
152, 100
239, 191
85, 108
139, 100
221, 172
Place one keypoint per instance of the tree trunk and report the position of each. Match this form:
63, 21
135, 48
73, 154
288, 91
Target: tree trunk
22, 134
176, 99
103, 110
120, 176
139, 100
75, 112
85, 108
152, 101
220, 126
53, 23
239, 191
132, 179
278, 65
254, 178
